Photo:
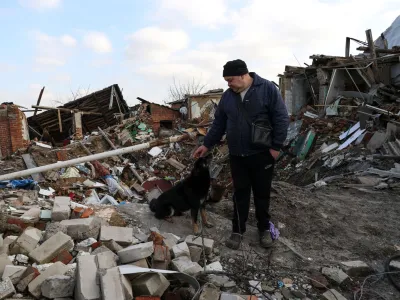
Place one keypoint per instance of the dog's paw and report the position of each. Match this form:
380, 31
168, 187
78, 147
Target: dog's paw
209, 225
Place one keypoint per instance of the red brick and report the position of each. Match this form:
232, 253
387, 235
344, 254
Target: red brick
64, 256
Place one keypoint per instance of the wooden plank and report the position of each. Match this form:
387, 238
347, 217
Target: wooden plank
371, 47
176, 164
347, 53
30, 164
109, 141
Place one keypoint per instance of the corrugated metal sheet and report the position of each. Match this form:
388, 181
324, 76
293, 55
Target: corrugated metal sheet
96, 102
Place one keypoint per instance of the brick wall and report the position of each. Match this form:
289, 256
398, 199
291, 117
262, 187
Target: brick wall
160, 113
13, 130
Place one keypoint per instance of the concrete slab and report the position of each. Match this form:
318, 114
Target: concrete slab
136, 252
151, 284
121, 235
111, 284
87, 287
28, 240
51, 248
34, 286
82, 229
58, 286
61, 209
14, 273
181, 249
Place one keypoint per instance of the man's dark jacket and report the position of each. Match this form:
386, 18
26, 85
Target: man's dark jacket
262, 102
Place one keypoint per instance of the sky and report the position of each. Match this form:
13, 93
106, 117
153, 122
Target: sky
76, 47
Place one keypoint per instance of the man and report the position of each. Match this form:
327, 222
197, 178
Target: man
251, 166
183, 111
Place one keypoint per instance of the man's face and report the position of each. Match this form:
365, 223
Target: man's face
236, 83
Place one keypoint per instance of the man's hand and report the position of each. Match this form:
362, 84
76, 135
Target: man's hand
274, 153
201, 151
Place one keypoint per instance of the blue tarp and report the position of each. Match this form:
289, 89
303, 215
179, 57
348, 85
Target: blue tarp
27, 184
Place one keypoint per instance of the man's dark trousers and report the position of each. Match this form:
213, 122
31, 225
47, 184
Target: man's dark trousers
255, 173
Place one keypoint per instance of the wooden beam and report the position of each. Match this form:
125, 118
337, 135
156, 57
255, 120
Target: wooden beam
388, 51
371, 47
59, 120
347, 53
39, 99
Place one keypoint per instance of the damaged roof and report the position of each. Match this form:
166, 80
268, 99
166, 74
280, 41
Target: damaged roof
149, 102
98, 101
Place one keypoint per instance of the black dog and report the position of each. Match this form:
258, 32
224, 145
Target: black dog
188, 194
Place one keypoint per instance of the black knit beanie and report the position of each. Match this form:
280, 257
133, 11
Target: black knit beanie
235, 67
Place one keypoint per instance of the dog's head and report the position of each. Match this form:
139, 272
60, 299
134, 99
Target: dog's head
202, 163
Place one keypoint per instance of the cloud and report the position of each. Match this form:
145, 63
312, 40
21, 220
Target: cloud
157, 44
98, 42
40, 4
52, 51
200, 13
61, 77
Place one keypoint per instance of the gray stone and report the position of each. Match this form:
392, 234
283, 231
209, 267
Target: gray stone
286, 293
111, 284
102, 249
136, 252
61, 209
333, 294
53, 228
14, 273
51, 248
335, 274
150, 284
210, 292
112, 245
215, 266
192, 240
121, 235
4, 261
82, 229
6, 288
179, 250
58, 286
106, 260
195, 253
34, 286
185, 265
85, 245
127, 286
356, 268
87, 287
170, 240
28, 240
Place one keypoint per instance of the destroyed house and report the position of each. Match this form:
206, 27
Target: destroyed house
14, 132
161, 116
102, 109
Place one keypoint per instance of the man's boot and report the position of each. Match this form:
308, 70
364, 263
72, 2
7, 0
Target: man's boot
234, 241
266, 239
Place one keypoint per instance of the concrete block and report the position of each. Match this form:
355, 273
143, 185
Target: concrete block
161, 253
51, 248
185, 265
215, 266
52, 228
87, 287
192, 240
141, 263
335, 274
85, 245
127, 286
210, 293
14, 273
106, 260
170, 240
112, 245
61, 209
121, 235
33, 214
356, 268
136, 252
195, 253
150, 284
28, 240
29, 274
181, 249
111, 284
34, 286
102, 249
4, 261
6, 288
58, 286
333, 294
82, 229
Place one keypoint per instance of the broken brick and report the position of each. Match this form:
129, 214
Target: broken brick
64, 256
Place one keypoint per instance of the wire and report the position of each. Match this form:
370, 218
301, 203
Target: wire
361, 291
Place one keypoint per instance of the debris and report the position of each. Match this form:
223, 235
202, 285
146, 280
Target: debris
121, 235
81, 229
58, 286
150, 285
87, 286
111, 284
6, 288
136, 252
51, 248
14, 273
185, 265
335, 274
192, 240
333, 294
356, 268
181, 249
61, 209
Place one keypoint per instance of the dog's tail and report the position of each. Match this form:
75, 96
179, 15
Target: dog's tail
153, 204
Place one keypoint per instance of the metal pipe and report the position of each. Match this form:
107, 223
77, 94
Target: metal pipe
72, 162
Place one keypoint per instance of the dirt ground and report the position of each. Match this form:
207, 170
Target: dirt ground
333, 224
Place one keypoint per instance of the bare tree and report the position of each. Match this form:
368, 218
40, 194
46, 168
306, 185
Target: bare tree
178, 90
